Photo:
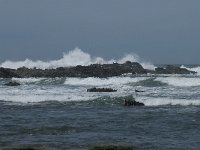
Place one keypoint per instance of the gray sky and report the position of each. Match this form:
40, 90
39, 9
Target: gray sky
160, 31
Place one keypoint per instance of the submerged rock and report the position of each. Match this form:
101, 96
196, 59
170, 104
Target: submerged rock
138, 91
101, 90
12, 83
130, 101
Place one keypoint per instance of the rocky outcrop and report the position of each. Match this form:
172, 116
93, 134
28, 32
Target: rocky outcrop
130, 101
8, 73
170, 69
101, 90
94, 70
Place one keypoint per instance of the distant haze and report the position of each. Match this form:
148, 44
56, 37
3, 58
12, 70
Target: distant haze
161, 32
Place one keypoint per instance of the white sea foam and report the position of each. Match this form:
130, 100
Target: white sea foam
148, 101
179, 81
102, 82
27, 80
196, 69
34, 95
42, 98
73, 58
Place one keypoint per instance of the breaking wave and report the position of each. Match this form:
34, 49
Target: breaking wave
102, 82
167, 101
179, 81
196, 69
27, 80
148, 101
73, 58
147, 81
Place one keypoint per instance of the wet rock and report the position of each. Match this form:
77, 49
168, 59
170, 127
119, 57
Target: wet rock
170, 69
101, 90
7, 73
138, 90
12, 83
130, 101
94, 70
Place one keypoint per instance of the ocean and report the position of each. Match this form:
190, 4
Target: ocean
59, 113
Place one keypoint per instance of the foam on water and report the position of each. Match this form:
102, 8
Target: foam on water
179, 81
74, 58
27, 80
34, 94
102, 82
33, 90
148, 101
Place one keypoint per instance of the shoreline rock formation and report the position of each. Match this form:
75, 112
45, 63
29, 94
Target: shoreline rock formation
93, 70
170, 69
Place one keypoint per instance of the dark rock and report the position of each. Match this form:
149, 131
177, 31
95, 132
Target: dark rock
170, 69
130, 101
12, 83
101, 90
138, 90
94, 70
7, 73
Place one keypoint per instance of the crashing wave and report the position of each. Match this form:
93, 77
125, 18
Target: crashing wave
73, 58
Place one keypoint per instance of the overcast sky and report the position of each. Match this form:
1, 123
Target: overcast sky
160, 31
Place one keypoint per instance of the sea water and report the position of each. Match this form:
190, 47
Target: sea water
59, 113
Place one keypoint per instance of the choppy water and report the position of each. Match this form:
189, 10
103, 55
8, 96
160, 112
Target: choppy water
58, 113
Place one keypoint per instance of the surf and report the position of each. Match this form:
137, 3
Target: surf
73, 58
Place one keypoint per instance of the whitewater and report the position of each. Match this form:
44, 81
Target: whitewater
73, 58
33, 90
159, 90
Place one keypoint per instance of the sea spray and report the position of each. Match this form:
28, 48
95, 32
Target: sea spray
196, 69
135, 58
74, 58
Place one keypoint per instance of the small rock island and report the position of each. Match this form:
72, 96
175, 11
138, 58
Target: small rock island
93, 70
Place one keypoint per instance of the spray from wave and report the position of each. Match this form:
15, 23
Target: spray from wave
74, 58
196, 69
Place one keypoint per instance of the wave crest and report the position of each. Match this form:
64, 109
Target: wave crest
196, 69
179, 81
